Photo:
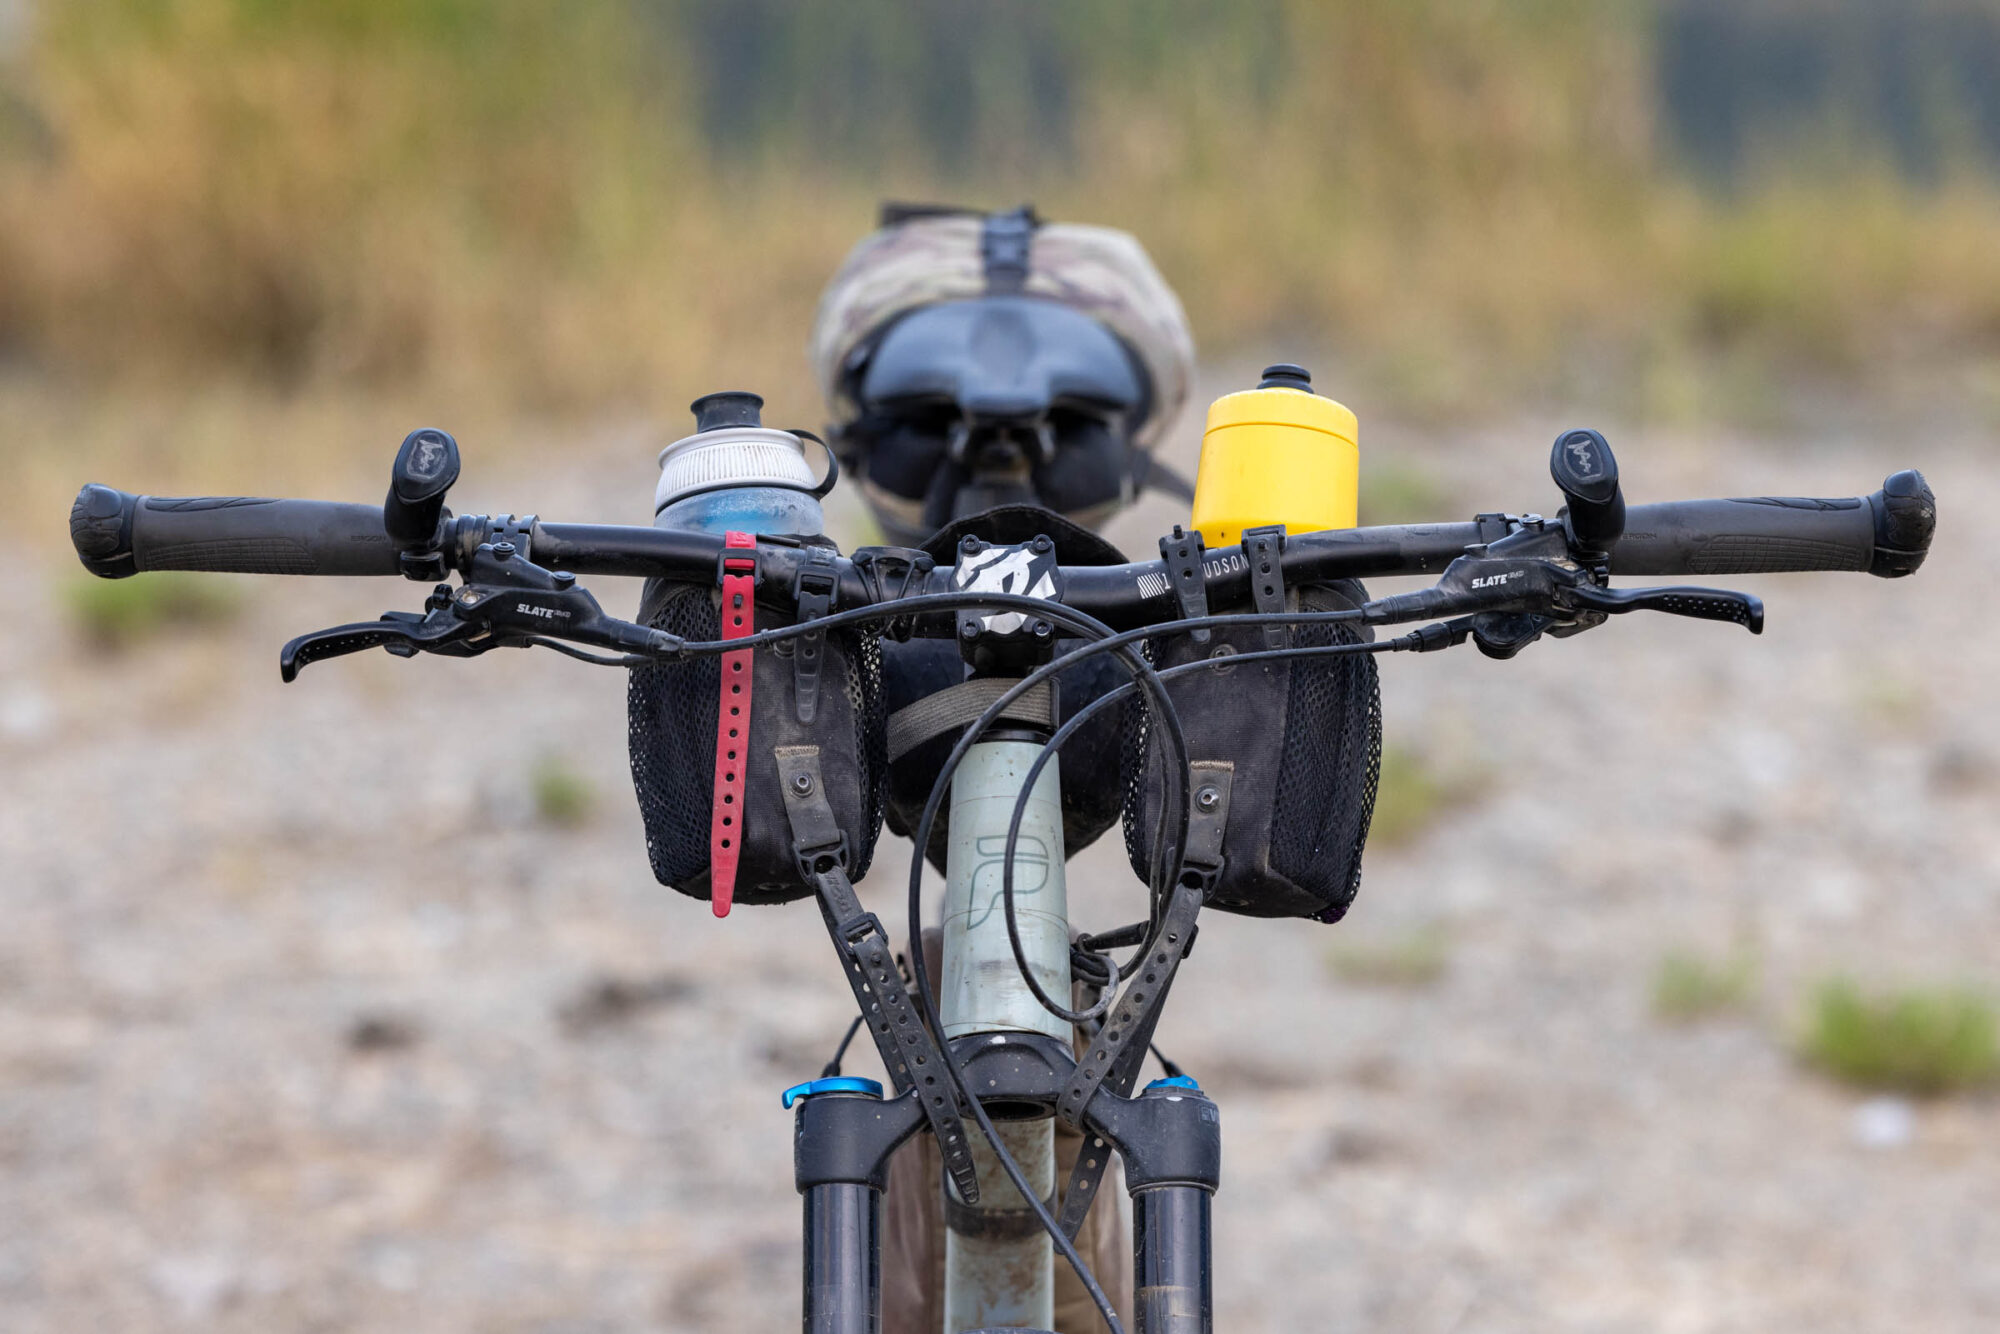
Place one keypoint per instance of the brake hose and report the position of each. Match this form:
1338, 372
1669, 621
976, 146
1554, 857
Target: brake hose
1053, 746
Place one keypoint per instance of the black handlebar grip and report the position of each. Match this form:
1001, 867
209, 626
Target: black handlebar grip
1887, 533
116, 534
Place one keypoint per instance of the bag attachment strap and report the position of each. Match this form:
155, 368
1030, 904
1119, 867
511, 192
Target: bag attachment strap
957, 706
813, 591
732, 720
1263, 548
908, 1053
1182, 551
1005, 240
1118, 1050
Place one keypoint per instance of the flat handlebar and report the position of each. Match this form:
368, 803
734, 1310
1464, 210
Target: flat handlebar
1887, 534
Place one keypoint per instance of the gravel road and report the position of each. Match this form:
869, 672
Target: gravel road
307, 1023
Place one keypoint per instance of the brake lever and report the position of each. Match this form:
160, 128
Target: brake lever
1707, 604
402, 633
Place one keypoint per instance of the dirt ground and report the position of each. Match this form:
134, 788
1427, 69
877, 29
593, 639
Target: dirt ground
307, 1023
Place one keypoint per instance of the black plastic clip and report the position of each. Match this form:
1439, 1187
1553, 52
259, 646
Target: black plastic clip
1182, 551
732, 560
813, 591
1264, 549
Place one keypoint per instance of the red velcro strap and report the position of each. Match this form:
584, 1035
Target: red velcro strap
732, 722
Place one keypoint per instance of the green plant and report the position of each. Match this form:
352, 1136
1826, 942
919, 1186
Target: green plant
1688, 986
1413, 789
1413, 959
112, 614
564, 798
1926, 1041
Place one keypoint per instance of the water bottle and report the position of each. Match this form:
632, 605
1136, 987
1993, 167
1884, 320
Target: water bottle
1278, 453
734, 474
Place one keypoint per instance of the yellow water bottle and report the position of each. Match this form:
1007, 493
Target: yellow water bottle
1278, 453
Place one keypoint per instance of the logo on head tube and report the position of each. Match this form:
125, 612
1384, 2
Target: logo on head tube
1031, 872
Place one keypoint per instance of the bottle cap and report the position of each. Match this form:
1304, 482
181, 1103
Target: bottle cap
728, 407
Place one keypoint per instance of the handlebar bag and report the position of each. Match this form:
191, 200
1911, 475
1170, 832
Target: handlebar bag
1305, 735
671, 717
1088, 766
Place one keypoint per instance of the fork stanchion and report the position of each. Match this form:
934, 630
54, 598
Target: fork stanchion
1171, 1261
843, 1259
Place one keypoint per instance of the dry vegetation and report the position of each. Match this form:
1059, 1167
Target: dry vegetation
582, 209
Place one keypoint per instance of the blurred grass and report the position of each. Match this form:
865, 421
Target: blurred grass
1925, 1041
1410, 961
1689, 987
1393, 492
112, 615
1415, 788
564, 798
513, 205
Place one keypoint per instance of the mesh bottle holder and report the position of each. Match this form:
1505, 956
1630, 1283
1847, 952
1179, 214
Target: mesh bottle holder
671, 719
1306, 738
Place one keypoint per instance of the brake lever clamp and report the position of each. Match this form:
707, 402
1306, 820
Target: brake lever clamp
518, 600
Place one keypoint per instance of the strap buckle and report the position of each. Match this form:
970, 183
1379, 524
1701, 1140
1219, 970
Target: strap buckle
738, 556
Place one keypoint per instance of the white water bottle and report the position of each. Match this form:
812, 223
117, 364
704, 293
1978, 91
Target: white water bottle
734, 474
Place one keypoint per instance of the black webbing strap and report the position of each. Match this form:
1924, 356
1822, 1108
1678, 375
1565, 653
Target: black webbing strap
1118, 1051
1004, 242
1182, 553
1264, 548
908, 1053
813, 591
950, 709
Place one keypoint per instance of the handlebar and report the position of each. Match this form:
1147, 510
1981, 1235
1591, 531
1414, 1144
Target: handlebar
1887, 534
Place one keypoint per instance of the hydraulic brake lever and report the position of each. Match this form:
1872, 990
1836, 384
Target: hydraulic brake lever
1707, 604
506, 602
402, 633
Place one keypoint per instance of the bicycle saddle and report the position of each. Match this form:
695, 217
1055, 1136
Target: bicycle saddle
1002, 358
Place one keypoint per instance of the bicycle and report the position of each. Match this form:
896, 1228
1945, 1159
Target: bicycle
996, 1049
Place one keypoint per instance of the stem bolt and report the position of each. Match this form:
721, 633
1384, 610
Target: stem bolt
802, 784
1207, 798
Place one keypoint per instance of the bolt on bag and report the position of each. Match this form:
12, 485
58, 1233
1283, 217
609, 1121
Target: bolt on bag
671, 720
1305, 735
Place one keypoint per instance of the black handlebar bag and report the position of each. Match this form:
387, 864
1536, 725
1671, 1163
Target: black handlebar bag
911, 671
1305, 736
671, 714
